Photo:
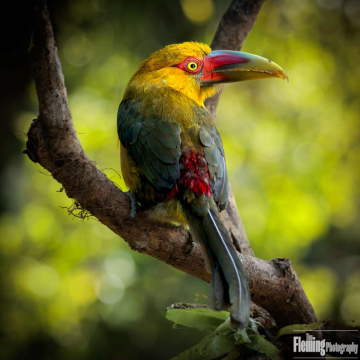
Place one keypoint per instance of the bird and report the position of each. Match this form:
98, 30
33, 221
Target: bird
173, 160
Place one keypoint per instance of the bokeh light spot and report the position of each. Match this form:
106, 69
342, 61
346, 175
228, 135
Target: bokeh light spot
42, 280
82, 288
78, 50
197, 11
319, 285
121, 265
110, 288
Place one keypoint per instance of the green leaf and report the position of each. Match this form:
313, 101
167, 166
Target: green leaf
242, 337
263, 346
220, 345
223, 339
194, 353
212, 346
291, 329
253, 326
233, 354
200, 318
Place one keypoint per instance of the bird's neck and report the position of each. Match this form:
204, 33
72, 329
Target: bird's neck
166, 103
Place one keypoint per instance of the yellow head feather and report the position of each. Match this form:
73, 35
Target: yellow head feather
159, 71
174, 54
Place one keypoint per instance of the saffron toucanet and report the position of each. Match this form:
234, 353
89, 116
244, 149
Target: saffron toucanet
172, 157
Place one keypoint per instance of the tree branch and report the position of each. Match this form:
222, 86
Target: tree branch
231, 33
52, 142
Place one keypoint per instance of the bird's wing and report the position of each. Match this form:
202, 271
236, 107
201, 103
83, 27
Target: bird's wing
153, 144
215, 158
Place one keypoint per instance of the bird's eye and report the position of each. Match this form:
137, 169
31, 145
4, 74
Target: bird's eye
192, 66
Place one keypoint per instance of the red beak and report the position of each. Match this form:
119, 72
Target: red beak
224, 66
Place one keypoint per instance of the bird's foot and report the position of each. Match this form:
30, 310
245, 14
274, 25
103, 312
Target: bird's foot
133, 204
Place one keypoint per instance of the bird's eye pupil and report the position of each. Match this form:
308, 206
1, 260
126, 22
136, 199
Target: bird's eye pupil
192, 66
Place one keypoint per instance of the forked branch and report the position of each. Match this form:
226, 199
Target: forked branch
52, 142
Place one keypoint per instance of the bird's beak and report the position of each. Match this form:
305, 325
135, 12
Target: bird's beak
224, 66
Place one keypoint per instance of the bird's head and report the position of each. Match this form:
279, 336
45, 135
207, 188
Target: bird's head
194, 70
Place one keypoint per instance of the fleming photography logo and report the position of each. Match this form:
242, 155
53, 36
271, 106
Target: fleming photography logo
310, 347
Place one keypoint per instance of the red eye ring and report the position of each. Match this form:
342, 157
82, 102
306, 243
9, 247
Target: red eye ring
191, 65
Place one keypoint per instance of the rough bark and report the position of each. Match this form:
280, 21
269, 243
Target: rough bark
231, 33
52, 142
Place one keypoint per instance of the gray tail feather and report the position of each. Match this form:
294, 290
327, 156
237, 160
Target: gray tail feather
229, 285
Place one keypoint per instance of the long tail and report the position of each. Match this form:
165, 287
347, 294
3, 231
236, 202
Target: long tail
229, 285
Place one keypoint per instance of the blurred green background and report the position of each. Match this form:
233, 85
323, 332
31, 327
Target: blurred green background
71, 289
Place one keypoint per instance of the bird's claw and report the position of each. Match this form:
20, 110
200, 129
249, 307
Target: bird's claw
133, 204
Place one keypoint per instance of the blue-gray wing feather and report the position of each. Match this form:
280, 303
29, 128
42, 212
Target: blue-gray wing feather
153, 144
